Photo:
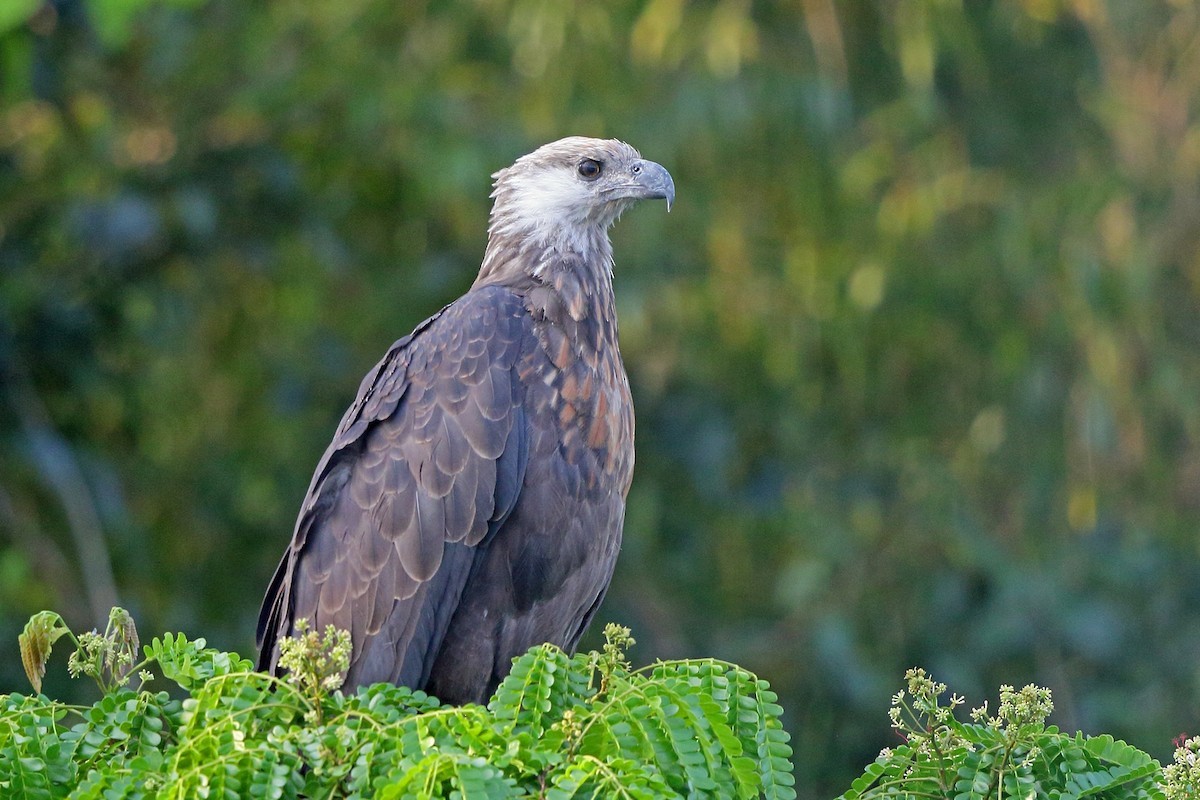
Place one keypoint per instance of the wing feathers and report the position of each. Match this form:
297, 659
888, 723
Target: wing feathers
426, 457
420, 548
460, 506
451, 450
485, 437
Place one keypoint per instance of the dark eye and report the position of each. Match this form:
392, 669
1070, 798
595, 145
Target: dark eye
590, 169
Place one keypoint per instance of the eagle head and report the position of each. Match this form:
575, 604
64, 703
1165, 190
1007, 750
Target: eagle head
569, 192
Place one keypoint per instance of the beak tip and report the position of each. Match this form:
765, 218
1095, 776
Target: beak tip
669, 193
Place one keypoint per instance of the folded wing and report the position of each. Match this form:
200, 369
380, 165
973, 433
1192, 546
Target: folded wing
425, 468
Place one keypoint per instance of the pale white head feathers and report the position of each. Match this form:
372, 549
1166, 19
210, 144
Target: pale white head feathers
565, 195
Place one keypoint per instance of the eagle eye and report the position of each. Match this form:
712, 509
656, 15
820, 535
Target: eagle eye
590, 169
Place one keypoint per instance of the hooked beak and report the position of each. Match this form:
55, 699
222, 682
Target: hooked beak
651, 181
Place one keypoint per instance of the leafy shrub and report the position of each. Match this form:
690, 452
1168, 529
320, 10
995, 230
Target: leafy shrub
558, 727
1011, 754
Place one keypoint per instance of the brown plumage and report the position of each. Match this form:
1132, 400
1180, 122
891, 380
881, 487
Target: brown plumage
470, 505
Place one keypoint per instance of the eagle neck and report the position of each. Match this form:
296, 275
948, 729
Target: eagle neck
567, 287
512, 253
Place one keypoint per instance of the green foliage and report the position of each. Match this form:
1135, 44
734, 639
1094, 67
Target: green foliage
192, 663
558, 727
1013, 754
107, 657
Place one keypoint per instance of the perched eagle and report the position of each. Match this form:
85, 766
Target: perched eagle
470, 505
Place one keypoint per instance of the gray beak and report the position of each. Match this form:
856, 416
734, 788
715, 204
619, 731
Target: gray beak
652, 182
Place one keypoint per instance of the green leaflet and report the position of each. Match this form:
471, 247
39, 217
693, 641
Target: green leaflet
190, 664
536, 692
691, 722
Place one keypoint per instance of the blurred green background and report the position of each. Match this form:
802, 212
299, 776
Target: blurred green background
916, 357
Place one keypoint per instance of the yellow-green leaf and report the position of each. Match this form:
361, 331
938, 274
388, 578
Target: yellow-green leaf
36, 641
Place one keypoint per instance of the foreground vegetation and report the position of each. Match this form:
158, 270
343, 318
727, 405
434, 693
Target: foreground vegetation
1011, 753
558, 727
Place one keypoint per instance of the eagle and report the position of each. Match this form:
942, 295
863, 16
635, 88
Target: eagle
470, 505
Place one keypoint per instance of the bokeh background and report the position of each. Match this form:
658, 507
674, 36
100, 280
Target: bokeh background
916, 357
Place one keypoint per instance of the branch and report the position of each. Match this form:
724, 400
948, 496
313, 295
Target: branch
59, 468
